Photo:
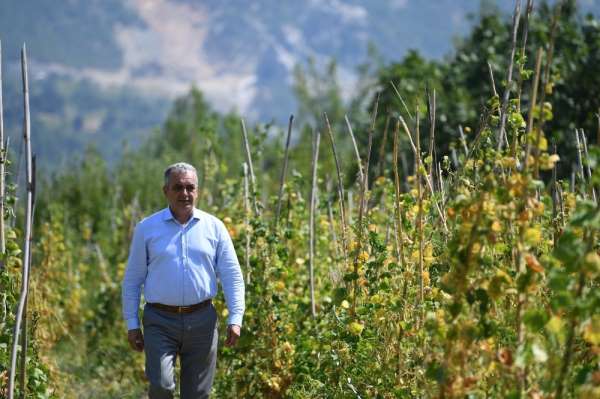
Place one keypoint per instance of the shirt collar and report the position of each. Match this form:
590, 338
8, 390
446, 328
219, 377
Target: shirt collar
168, 215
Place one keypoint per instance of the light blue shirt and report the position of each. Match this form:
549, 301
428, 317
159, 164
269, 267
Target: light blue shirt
178, 265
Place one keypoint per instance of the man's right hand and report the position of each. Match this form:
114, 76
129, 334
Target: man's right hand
136, 339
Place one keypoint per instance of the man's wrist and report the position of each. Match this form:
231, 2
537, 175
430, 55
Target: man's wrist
133, 324
235, 319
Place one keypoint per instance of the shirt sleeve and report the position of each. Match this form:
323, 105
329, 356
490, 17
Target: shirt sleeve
135, 275
230, 274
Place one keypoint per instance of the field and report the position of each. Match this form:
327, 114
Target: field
383, 257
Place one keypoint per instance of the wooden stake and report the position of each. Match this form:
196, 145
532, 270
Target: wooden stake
340, 187
2, 163
24, 338
362, 205
381, 159
554, 203
398, 211
330, 216
246, 223
491, 72
417, 155
501, 132
580, 164
28, 225
358, 159
588, 169
420, 213
529, 9
534, 90
283, 171
249, 162
401, 100
431, 114
313, 198
463, 140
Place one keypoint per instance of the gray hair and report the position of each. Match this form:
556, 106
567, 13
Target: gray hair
177, 168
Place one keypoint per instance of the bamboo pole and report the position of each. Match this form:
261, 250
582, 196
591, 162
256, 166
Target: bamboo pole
404, 165
580, 164
2, 164
554, 203
401, 100
399, 232
528, 11
24, 338
534, 90
330, 218
283, 171
350, 211
454, 158
420, 213
358, 159
463, 140
588, 168
249, 162
365, 181
441, 186
501, 132
491, 72
431, 114
313, 198
340, 187
28, 224
246, 223
361, 211
362, 205
381, 159
430, 186
550, 52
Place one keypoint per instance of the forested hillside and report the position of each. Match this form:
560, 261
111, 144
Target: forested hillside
107, 71
452, 251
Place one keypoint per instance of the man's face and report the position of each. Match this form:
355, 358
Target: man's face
182, 192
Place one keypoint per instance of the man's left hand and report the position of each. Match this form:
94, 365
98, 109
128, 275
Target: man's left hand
233, 333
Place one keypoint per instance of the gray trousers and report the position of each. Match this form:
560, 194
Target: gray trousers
191, 336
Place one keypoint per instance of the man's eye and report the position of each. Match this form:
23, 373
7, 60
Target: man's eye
179, 188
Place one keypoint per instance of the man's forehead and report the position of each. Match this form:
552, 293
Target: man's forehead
182, 176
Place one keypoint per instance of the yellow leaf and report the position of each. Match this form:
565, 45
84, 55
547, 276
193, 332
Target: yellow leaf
356, 328
591, 331
555, 325
543, 144
363, 256
532, 236
496, 226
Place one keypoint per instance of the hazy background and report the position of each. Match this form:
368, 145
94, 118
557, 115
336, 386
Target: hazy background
105, 72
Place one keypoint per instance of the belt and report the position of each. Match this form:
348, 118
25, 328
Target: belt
180, 309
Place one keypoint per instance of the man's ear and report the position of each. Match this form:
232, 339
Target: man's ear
165, 188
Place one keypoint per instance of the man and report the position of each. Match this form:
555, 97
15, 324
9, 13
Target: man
177, 254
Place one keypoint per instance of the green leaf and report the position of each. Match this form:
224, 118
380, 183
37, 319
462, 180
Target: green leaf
535, 319
435, 372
